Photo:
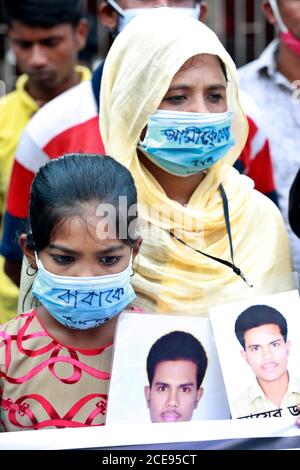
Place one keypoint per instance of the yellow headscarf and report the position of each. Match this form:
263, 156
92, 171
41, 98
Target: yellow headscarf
170, 277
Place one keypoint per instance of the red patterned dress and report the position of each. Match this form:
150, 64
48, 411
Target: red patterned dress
45, 384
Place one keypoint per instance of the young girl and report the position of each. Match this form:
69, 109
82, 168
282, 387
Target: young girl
55, 360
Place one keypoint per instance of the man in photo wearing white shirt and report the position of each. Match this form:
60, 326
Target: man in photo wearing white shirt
262, 332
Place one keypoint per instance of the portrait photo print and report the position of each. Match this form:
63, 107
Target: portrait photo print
260, 356
165, 371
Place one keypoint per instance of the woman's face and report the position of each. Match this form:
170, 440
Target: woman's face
199, 86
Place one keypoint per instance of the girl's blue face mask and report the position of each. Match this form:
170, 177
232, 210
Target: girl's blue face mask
83, 302
184, 144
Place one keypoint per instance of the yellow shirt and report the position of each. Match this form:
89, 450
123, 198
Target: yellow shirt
253, 402
16, 109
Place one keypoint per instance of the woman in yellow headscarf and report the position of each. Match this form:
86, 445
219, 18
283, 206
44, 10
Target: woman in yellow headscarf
210, 236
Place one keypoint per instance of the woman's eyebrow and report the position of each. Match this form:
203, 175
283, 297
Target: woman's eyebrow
216, 86
213, 86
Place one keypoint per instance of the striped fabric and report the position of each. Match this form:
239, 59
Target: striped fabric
45, 384
67, 124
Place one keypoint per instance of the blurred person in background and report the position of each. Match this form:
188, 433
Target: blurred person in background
272, 80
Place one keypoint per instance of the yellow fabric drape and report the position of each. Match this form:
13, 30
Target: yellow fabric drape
170, 277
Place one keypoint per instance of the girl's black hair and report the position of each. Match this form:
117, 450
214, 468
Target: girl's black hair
65, 186
43, 13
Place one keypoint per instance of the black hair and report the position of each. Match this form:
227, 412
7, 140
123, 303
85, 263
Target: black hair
223, 67
258, 315
176, 346
65, 186
43, 13
294, 205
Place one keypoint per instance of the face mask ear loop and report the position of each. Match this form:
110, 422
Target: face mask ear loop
278, 16
37, 260
131, 262
116, 7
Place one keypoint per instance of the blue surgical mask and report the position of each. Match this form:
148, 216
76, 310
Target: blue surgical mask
125, 16
184, 144
83, 302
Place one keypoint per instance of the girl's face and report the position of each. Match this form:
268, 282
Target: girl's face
79, 249
199, 87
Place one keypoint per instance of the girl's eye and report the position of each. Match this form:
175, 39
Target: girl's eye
62, 259
109, 260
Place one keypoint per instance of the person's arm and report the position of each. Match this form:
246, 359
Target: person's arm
13, 270
15, 219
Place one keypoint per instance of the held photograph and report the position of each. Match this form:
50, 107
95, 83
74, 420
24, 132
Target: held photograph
258, 347
165, 371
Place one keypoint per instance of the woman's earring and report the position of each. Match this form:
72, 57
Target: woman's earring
33, 272
132, 272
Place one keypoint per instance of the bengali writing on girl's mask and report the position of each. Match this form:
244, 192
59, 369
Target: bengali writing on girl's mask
93, 297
